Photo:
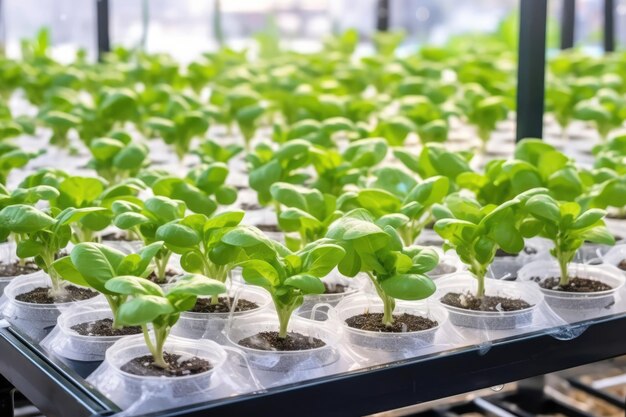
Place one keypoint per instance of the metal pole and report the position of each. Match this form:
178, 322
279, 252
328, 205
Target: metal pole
382, 15
568, 18
531, 68
102, 21
609, 25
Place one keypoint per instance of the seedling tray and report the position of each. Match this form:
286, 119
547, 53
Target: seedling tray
57, 389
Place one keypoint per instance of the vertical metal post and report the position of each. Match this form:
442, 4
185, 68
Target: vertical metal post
568, 18
531, 68
609, 25
382, 15
102, 22
6, 398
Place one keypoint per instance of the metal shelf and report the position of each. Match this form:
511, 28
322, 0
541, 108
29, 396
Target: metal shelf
58, 390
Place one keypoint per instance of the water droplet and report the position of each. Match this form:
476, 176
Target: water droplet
497, 388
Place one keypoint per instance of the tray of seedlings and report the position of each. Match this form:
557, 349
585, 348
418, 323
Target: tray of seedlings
247, 227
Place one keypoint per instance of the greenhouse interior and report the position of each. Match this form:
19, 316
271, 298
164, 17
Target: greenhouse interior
313, 208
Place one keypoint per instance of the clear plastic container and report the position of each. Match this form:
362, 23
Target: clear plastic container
274, 368
211, 325
507, 267
390, 346
490, 320
126, 389
7, 256
615, 256
539, 271
35, 320
617, 227
354, 285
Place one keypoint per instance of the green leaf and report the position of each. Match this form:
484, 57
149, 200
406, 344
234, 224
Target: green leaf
408, 286
21, 218
308, 284
197, 285
143, 309
131, 285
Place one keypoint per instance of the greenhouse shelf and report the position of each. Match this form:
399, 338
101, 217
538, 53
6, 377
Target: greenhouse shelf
59, 390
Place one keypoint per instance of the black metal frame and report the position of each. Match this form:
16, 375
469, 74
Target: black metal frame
531, 68
609, 25
102, 26
57, 390
568, 20
382, 15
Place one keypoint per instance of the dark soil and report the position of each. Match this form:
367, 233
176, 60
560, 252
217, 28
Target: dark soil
335, 288
144, 366
268, 228
169, 274
500, 253
203, 305
622, 265
401, 323
250, 206
104, 327
15, 269
241, 187
271, 341
468, 301
117, 237
41, 295
575, 285
617, 216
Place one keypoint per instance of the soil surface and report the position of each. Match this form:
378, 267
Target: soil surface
622, 265
268, 228
575, 285
144, 366
14, 269
250, 206
468, 301
117, 237
500, 253
203, 305
617, 216
402, 323
271, 341
104, 327
41, 295
335, 288
169, 274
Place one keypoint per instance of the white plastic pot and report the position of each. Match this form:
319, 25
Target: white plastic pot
211, 325
35, 320
561, 300
490, 320
615, 256
382, 346
506, 267
126, 389
274, 368
8, 256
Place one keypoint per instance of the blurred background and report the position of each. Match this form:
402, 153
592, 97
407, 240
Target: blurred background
185, 28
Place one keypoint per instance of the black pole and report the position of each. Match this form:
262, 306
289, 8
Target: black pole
382, 15
531, 68
102, 21
568, 17
609, 25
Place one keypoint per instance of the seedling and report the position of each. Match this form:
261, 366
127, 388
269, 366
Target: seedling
117, 157
287, 276
93, 265
568, 226
397, 272
476, 232
41, 235
147, 304
144, 220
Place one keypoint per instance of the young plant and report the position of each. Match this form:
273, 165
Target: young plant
396, 271
93, 265
568, 226
268, 166
211, 151
60, 123
143, 220
202, 190
41, 236
604, 110
180, 124
307, 212
148, 304
12, 157
476, 232
287, 276
484, 111
198, 240
434, 160
117, 157
396, 198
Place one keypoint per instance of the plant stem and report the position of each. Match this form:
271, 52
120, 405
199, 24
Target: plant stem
389, 303
479, 271
161, 265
